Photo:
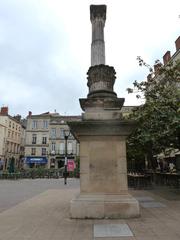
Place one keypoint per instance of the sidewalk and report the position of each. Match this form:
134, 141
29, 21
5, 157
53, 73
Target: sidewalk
46, 217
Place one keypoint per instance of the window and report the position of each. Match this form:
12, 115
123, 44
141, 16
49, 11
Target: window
43, 151
10, 124
12, 135
44, 140
45, 124
71, 136
14, 148
13, 125
53, 146
62, 133
9, 133
70, 148
34, 138
16, 127
53, 132
33, 151
18, 149
34, 124
61, 148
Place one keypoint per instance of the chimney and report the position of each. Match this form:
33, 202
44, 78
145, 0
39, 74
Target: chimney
30, 113
166, 57
157, 68
177, 42
4, 111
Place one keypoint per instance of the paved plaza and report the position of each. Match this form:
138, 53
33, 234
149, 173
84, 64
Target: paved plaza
39, 209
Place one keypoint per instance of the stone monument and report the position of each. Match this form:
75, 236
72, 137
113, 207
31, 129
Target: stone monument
102, 135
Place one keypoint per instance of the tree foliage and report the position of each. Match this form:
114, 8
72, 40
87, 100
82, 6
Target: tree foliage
158, 118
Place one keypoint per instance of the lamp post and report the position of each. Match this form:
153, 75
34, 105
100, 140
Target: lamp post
66, 135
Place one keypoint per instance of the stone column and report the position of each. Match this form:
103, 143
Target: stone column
102, 134
98, 17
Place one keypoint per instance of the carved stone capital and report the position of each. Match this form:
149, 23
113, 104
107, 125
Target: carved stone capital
97, 11
101, 78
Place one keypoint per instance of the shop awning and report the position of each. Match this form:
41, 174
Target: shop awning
38, 160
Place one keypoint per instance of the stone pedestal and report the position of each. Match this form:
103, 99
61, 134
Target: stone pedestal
103, 170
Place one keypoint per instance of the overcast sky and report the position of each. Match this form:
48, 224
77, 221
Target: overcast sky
45, 49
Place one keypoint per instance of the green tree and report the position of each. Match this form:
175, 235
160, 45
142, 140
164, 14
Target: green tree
158, 118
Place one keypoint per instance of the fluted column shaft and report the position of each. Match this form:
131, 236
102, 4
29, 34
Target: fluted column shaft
98, 17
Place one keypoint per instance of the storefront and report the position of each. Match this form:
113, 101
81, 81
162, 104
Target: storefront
33, 162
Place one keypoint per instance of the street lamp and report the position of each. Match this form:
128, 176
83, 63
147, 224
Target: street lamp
66, 135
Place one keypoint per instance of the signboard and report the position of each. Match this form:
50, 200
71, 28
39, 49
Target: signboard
38, 160
71, 165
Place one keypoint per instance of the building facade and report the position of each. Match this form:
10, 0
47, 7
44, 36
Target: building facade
58, 125
45, 141
11, 145
37, 140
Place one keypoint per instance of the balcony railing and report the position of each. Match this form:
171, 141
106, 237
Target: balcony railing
62, 152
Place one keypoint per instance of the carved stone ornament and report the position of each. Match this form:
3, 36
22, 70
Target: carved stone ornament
97, 11
101, 77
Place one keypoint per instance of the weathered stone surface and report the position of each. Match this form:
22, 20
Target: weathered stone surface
102, 135
97, 11
104, 206
101, 77
102, 128
97, 114
100, 103
98, 17
103, 170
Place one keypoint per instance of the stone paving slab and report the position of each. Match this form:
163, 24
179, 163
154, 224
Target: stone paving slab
46, 217
144, 199
112, 230
152, 204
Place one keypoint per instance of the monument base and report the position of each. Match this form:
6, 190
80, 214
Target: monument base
104, 206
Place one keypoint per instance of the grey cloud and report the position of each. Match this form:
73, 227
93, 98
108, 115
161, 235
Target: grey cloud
28, 48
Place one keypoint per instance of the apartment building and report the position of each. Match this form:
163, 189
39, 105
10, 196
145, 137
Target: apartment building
45, 142
176, 56
11, 145
37, 140
57, 128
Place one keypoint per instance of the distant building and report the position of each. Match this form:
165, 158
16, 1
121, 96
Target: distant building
45, 143
11, 144
176, 56
37, 140
57, 140
167, 58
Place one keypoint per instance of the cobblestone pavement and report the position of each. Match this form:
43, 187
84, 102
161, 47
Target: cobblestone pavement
44, 214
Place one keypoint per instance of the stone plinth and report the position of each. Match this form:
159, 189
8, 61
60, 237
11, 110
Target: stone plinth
103, 170
104, 206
